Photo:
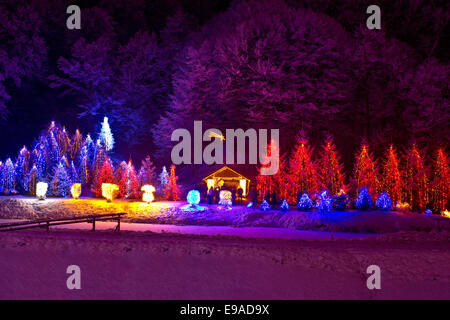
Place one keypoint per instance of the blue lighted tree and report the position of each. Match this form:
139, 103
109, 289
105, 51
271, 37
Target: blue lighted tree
21, 169
61, 184
8, 177
265, 206
364, 199
305, 203
324, 202
383, 202
284, 205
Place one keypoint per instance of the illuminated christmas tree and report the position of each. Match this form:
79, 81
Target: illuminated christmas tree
416, 181
104, 175
106, 137
440, 183
147, 172
341, 201
84, 166
163, 178
172, 191
284, 205
76, 145
264, 205
330, 168
62, 137
324, 202
364, 200
365, 171
21, 170
383, 202
41, 164
303, 172
392, 182
74, 176
61, 182
90, 149
121, 168
266, 184
32, 181
8, 177
129, 183
305, 203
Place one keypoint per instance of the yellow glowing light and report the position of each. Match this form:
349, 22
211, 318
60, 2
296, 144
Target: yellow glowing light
41, 190
148, 193
402, 206
109, 190
445, 213
76, 190
341, 192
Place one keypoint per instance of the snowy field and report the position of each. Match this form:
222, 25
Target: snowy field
239, 216
144, 265
216, 254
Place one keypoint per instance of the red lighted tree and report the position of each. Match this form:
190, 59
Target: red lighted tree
440, 183
129, 183
416, 181
330, 168
303, 173
266, 184
365, 171
104, 175
172, 190
392, 181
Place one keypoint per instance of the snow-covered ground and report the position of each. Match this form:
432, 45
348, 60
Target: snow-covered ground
239, 216
145, 265
222, 254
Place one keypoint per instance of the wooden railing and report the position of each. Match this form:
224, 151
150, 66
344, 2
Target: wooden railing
47, 223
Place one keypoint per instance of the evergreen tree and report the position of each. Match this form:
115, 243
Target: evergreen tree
104, 175
121, 168
392, 176
330, 168
75, 177
84, 166
416, 180
99, 158
76, 145
440, 183
266, 184
364, 200
61, 183
147, 172
365, 171
302, 168
129, 183
106, 138
41, 165
172, 191
63, 140
21, 170
383, 202
90, 149
32, 181
163, 178
8, 177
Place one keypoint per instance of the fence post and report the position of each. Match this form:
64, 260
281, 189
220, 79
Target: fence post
48, 226
93, 224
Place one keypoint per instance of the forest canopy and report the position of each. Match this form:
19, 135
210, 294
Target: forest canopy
154, 66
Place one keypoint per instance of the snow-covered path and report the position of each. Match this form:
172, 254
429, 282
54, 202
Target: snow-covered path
144, 265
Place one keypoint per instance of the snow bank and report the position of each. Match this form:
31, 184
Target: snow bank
238, 216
